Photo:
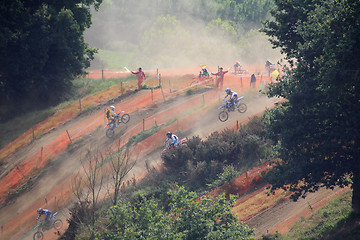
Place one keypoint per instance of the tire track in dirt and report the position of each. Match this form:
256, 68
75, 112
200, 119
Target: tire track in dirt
282, 216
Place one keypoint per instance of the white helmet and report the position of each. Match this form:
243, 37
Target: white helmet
39, 210
112, 107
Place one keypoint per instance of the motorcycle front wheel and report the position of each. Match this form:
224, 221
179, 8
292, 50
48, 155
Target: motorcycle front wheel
58, 224
38, 235
241, 107
110, 132
125, 118
223, 116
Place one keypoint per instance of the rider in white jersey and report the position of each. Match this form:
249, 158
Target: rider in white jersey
173, 138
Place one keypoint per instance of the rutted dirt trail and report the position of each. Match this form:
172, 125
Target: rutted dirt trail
196, 114
52, 188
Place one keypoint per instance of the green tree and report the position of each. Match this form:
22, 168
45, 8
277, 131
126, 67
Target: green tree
187, 218
164, 41
317, 127
221, 28
42, 49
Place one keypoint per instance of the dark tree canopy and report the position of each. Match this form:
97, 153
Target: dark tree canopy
41, 49
318, 127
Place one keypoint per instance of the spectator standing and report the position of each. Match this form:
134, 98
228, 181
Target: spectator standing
220, 79
253, 81
141, 75
237, 67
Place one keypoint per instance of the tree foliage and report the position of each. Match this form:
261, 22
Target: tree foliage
187, 218
202, 31
42, 49
318, 127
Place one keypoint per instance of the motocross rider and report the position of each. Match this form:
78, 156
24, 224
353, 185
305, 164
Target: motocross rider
173, 138
233, 96
111, 115
47, 213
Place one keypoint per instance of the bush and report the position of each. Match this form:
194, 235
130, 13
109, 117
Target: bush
79, 216
251, 147
229, 173
210, 162
186, 219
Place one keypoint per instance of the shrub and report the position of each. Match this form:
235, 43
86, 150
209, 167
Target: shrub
218, 157
251, 147
175, 159
186, 219
229, 173
79, 216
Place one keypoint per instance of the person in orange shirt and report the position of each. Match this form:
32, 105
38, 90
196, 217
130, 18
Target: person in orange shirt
220, 75
141, 75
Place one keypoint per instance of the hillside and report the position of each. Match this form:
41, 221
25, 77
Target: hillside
52, 188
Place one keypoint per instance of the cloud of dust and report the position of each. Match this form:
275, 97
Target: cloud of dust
146, 34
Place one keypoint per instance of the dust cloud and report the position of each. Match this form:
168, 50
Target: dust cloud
163, 34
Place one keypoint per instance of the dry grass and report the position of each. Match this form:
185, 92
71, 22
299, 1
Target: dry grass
258, 203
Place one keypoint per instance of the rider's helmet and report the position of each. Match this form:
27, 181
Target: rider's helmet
169, 134
112, 108
228, 90
221, 68
140, 69
39, 210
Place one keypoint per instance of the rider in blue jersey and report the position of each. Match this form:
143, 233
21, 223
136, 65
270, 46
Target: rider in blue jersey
47, 213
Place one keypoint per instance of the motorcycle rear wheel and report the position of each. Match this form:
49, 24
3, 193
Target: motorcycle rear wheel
110, 132
241, 107
38, 235
125, 118
223, 116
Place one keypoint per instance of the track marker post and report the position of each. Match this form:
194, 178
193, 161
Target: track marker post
68, 136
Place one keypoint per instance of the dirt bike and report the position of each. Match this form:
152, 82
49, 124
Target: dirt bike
119, 118
169, 146
240, 70
228, 107
45, 226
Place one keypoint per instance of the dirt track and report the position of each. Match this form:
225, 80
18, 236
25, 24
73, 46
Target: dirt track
285, 214
52, 188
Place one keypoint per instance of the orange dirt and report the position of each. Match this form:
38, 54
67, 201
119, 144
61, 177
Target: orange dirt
144, 105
